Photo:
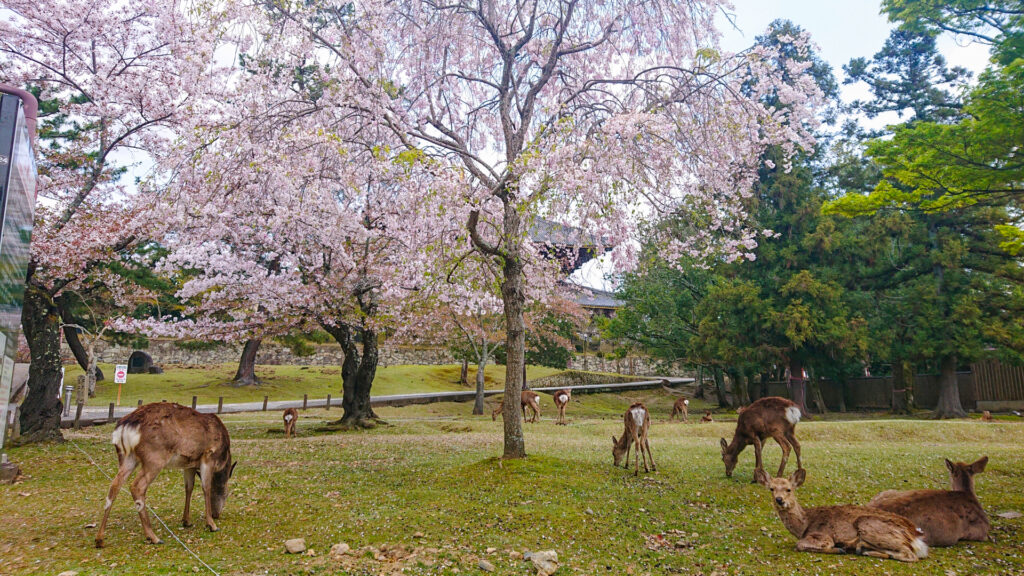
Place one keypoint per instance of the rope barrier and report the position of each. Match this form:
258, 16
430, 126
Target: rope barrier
151, 511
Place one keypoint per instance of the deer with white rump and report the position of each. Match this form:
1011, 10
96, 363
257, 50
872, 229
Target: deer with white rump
638, 422
562, 398
771, 416
945, 516
527, 399
164, 434
291, 416
842, 529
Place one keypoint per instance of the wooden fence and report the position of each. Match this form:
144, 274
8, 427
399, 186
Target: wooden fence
998, 386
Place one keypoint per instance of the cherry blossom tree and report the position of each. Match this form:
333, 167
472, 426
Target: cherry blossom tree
112, 79
593, 114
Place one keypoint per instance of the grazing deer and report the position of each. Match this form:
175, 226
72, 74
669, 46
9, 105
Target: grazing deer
986, 416
945, 516
637, 421
562, 398
770, 416
840, 529
680, 407
163, 434
706, 418
526, 398
291, 416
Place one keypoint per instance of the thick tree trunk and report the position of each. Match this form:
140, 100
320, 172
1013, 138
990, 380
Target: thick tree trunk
75, 343
478, 402
700, 383
41, 410
739, 387
723, 398
949, 390
816, 397
798, 384
464, 373
899, 387
513, 297
357, 373
246, 373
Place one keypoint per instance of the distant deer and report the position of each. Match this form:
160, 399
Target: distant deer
770, 416
706, 418
680, 407
163, 434
562, 398
945, 516
841, 529
986, 416
291, 416
528, 398
637, 421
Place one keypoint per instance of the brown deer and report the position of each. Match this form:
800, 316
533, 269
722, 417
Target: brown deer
562, 398
706, 418
841, 529
526, 398
986, 416
770, 416
680, 407
163, 434
638, 422
945, 516
291, 416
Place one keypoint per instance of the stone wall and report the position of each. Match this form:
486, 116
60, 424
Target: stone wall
632, 365
577, 378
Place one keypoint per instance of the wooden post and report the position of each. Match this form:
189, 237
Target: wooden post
140, 403
305, 400
220, 404
110, 413
78, 414
328, 407
265, 398
194, 402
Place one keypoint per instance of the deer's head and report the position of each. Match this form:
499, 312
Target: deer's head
618, 451
728, 457
961, 475
220, 487
783, 489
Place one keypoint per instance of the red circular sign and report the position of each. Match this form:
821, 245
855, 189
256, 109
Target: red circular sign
120, 374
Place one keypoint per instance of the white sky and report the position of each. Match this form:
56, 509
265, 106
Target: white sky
843, 30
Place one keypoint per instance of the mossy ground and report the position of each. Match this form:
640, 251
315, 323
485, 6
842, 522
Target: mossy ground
429, 495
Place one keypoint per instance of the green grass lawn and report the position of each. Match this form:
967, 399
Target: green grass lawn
426, 495
208, 382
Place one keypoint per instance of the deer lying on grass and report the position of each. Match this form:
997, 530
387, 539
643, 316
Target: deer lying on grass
163, 434
986, 416
945, 516
680, 407
770, 416
638, 422
526, 398
562, 398
841, 529
706, 418
291, 416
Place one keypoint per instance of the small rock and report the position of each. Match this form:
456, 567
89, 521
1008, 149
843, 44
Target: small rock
485, 566
295, 545
546, 562
515, 555
1010, 515
491, 550
419, 535
68, 573
340, 549
589, 511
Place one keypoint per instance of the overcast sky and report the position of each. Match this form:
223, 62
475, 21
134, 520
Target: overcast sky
842, 29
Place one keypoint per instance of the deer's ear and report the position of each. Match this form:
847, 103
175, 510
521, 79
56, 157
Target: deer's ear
978, 466
798, 477
232, 471
950, 465
725, 445
762, 477
614, 441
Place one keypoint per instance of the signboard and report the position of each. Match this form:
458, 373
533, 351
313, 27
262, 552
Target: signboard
121, 374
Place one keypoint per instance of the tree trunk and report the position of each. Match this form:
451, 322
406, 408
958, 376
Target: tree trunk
464, 373
723, 399
949, 390
478, 402
41, 410
700, 383
74, 342
844, 389
797, 384
246, 373
739, 387
899, 387
357, 373
816, 397
513, 297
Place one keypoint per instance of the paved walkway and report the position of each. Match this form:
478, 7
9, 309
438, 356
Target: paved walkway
99, 415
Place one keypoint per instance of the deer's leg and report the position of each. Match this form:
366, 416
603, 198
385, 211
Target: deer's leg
638, 455
139, 487
818, 543
190, 483
125, 470
629, 446
206, 478
758, 464
791, 436
647, 445
784, 444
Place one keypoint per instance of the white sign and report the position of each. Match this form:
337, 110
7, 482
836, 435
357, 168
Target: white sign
120, 374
